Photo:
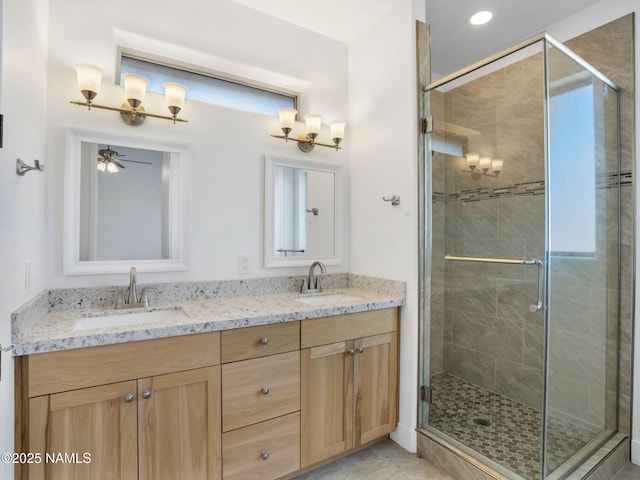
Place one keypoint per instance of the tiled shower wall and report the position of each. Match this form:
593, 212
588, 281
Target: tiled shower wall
481, 329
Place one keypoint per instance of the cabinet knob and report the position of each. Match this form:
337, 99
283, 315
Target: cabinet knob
264, 341
146, 394
128, 398
265, 455
351, 351
265, 390
360, 349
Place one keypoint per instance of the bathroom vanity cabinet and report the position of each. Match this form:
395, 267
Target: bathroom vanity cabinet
148, 410
349, 382
261, 401
257, 402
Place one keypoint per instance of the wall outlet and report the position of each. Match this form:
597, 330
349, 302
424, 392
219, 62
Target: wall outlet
244, 264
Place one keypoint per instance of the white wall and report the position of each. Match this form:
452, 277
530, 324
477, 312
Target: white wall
224, 177
383, 162
22, 101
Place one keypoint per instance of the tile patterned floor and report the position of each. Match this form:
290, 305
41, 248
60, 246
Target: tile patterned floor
629, 472
512, 437
382, 461
388, 461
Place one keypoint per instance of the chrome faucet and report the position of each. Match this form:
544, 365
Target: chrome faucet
311, 284
132, 301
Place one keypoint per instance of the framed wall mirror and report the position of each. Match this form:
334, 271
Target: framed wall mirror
124, 204
302, 218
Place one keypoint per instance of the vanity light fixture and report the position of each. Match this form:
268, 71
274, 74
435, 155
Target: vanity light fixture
135, 86
481, 165
307, 141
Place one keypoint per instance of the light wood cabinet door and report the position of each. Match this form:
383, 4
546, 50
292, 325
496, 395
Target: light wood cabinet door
179, 426
375, 386
327, 401
98, 421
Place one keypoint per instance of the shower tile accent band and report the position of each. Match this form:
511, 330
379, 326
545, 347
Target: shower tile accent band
603, 181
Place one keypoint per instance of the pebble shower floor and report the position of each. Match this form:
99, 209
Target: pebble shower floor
499, 428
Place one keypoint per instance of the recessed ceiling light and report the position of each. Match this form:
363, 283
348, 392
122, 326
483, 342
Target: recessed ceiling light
480, 18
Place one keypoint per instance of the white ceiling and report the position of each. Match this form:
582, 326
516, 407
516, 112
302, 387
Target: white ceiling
342, 20
454, 43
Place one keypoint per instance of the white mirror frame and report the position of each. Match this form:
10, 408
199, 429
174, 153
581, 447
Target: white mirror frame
270, 260
72, 265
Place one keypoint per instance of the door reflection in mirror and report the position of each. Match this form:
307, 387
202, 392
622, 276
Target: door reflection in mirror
304, 214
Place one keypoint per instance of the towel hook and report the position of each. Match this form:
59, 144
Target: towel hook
395, 200
22, 168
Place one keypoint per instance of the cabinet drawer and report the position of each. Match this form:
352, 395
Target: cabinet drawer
260, 341
54, 372
263, 451
260, 389
339, 328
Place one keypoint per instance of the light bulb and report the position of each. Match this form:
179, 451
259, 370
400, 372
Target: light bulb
112, 168
102, 166
481, 17
496, 165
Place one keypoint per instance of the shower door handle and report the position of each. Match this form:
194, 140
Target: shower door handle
538, 306
511, 261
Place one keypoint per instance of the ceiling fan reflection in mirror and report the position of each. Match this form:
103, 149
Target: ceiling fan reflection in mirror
110, 161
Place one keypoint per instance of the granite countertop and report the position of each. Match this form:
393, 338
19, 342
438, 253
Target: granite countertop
52, 328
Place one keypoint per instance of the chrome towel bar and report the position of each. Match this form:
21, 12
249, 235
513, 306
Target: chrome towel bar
510, 261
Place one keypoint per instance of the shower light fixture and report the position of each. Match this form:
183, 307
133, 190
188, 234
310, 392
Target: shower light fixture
132, 112
481, 17
481, 165
306, 141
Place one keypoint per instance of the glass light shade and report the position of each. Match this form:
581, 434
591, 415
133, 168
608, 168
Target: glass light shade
135, 87
174, 93
472, 160
102, 166
112, 168
484, 163
287, 118
313, 124
496, 164
89, 78
337, 130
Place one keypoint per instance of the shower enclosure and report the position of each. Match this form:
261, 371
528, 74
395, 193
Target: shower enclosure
521, 268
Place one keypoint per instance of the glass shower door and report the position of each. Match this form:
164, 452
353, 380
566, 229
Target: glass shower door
485, 221
582, 261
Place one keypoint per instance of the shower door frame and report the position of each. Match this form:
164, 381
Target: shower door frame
425, 231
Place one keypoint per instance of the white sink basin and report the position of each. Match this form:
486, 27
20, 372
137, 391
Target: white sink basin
128, 318
329, 298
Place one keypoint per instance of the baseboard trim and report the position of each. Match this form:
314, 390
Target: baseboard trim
406, 437
635, 452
